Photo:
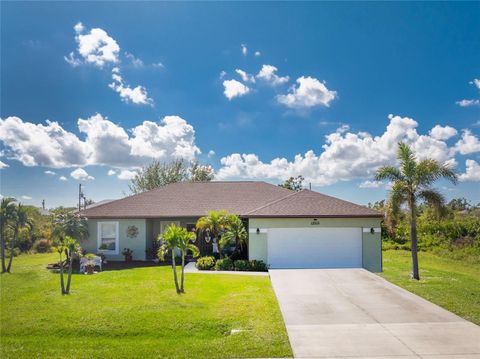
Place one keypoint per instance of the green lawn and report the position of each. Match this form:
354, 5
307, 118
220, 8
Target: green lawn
452, 284
136, 313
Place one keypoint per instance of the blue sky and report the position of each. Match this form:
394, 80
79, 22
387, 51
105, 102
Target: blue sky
341, 84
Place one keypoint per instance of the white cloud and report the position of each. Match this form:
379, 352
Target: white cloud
211, 153
111, 172
25, 197
126, 175
63, 178
3, 165
469, 143
135, 61
472, 171
245, 76
268, 73
258, 53
244, 49
222, 74
442, 133
309, 93
234, 88
476, 82
370, 184
467, 103
50, 173
95, 47
81, 175
106, 143
344, 156
137, 95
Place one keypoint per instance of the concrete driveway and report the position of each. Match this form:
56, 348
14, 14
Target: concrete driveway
352, 313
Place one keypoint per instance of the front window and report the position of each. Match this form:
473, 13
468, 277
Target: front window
108, 236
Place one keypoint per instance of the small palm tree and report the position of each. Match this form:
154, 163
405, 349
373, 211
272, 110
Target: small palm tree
21, 220
69, 223
215, 222
235, 233
169, 240
184, 244
412, 183
8, 215
69, 246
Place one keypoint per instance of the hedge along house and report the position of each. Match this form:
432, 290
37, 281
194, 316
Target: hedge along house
286, 229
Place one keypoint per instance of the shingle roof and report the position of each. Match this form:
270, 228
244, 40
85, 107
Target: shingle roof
249, 199
306, 203
191, 199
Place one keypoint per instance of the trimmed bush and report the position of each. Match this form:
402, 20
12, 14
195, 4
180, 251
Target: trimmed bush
224, 264
242, 265
205, 263
42, 246
258, 266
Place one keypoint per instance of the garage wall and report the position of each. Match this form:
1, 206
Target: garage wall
371, 243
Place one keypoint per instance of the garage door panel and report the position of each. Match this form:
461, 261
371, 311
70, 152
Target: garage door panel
315, 248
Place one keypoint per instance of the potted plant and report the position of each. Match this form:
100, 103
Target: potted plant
128, 253
90, 265
103, 247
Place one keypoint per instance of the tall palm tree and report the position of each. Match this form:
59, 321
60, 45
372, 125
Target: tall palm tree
21, 220
412, 182
8, 214
235, 233
215, 222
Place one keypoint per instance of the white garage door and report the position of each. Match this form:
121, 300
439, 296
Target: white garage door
315, 247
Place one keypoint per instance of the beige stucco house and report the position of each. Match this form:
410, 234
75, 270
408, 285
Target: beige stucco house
287, 229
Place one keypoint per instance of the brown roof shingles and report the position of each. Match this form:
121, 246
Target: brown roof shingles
249, 199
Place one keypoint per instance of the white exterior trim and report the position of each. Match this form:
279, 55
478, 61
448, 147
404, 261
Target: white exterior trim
254, 230
117, 237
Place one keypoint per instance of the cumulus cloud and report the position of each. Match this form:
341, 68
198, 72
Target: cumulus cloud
137, 95
442, 133
106, 143
50, 173
3, 165
63, 178
472, 171
370, 184
94, 47
81, 175
469, 143
244, 49
126, 175
309, 93
245, 76
344, 156
234, 88
268, 74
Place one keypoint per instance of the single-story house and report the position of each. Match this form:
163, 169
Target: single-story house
287, 229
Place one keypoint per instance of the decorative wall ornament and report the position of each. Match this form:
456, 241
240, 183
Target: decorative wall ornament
132, 231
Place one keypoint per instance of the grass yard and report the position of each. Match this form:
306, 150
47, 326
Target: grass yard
136, 313
452, 284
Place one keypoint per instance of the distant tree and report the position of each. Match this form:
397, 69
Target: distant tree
294, 183
21, 220
88, 201
158, 174
200, 173
8, 215
412, 182
459, 204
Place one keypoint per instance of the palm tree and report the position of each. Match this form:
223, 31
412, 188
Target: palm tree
21, 220
69, 246
412, 182
184, 244
235, 233
69, 223
8, 214
215, 222
169, 241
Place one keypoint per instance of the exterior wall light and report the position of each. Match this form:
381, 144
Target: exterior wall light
258, 230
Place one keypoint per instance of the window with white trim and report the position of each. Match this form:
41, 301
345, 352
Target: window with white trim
108, 236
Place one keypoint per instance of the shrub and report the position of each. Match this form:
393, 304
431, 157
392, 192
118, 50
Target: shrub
42, 246
258, 266
205, 263
242, 265
224, 264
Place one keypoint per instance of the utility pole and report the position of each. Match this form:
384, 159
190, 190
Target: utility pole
80, 195
43, 204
